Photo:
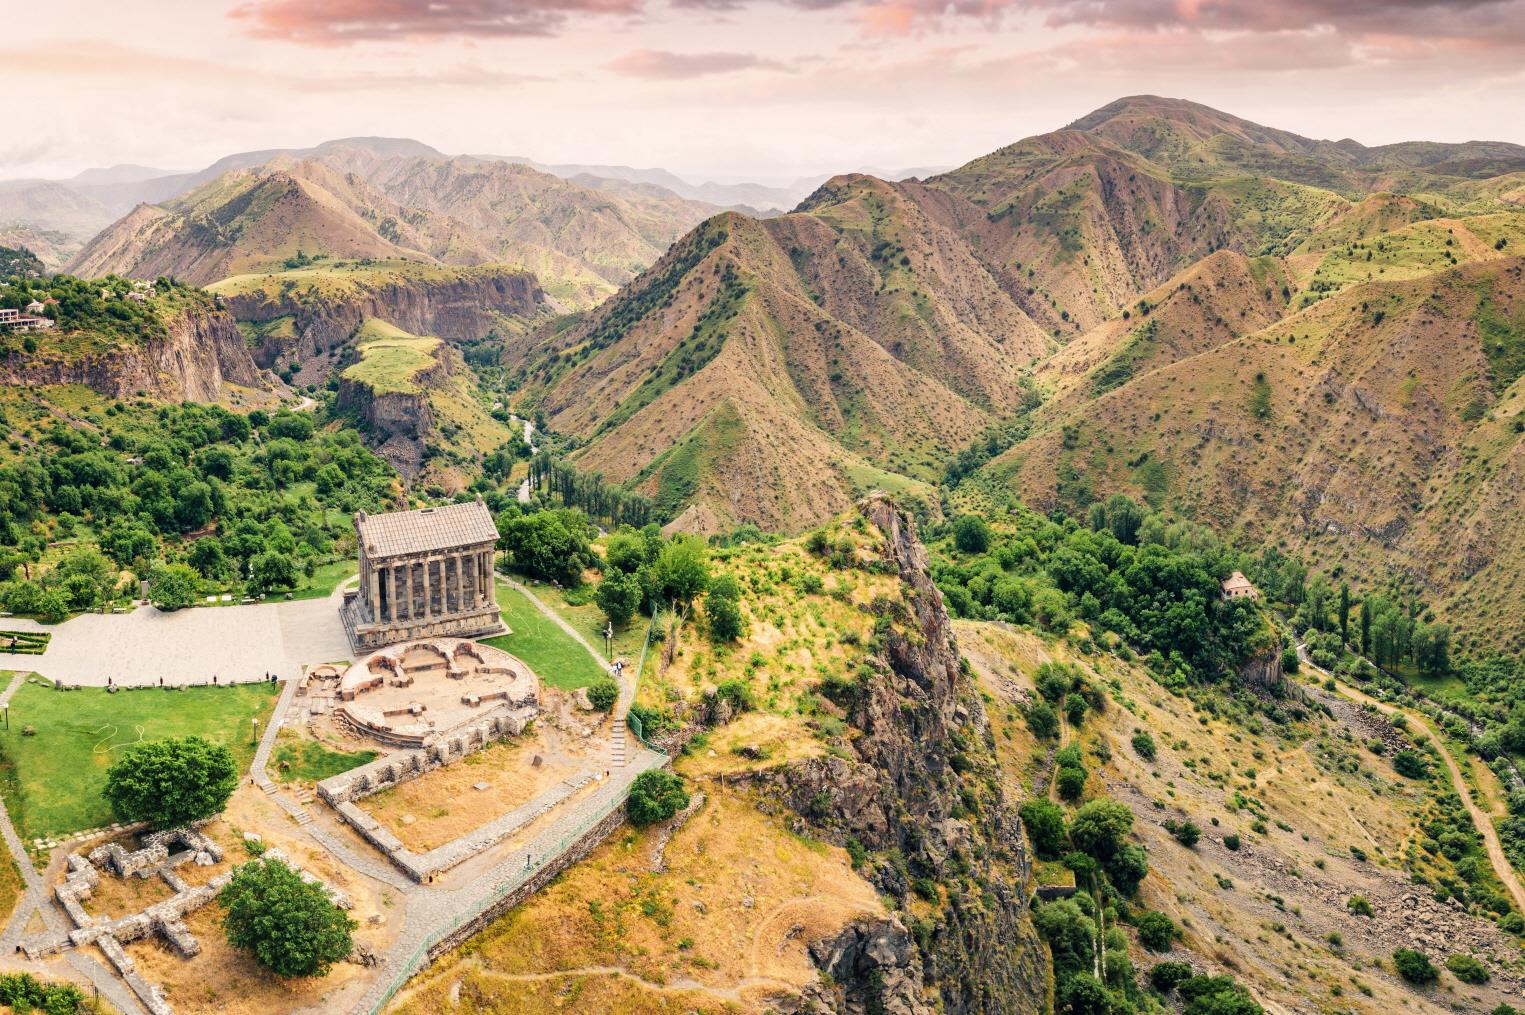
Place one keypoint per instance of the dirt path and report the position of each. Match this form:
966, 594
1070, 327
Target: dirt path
730, 995
1480, 819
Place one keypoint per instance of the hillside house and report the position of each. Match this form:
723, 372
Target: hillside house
1237, 586
35, 307
12, 319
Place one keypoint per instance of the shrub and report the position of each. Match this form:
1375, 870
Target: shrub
1156, 931
603, 693
1071, 783
23, 992
1143, 745
1231, 841
1411, 765
656, 795
1044, 821
737, 693
722, 609
1166, 975
1041, 720
292, 927
1359, 906
170, 783
1216, 995
1414, 966
1467, 969
1185, 832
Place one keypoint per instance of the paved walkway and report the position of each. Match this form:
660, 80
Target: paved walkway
233, 643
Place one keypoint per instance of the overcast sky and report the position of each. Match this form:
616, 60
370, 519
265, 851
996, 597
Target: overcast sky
730, 89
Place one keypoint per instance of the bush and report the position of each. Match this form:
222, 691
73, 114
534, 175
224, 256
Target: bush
170, 783
1411, 765
1166, 975
23, 992
1185, 832
1071, 783
1359, 906
603, 693
292, 927
1216, 995
722, 609
1041, 720
1414, 966
1156, 931
656, 795
1231, 841
738, 693
1467, 969
1044, 821
1289, 660
619, 596
1143, 745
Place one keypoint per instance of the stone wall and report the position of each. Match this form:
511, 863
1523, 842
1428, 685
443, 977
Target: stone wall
395, 769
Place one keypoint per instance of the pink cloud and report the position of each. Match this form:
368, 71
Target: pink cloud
340, 22
660, 65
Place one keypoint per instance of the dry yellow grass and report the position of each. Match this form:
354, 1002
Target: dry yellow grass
444, 804
723, 928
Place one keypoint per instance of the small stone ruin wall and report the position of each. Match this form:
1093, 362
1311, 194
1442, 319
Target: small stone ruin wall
395, 769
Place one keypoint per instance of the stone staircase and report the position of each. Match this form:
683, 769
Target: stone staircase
618, 741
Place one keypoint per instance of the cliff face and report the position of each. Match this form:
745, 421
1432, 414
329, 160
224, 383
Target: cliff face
923, 782
399, 424
203, 350
454, 309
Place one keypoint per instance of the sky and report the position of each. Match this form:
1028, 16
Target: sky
762, 90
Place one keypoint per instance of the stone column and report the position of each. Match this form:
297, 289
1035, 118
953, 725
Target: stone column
428, 590
373, 582
484, 578
455, 581
397, 593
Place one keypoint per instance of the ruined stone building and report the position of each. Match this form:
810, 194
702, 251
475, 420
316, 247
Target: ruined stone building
424, 574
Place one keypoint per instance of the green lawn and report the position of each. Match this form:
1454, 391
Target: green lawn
325, 579
589, 620
310, 761
52, 781
556, 657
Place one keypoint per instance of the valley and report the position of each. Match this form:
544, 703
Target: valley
1083, 581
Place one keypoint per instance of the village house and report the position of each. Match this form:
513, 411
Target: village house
14, 320
1237, 586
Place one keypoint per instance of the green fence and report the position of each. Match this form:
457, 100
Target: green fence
631, 719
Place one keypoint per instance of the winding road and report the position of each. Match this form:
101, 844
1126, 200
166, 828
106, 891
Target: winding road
1480, 818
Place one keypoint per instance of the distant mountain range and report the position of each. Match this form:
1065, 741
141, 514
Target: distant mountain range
71, 211
1307, 341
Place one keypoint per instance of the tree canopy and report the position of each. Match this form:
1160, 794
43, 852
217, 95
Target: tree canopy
171, 782
292, 927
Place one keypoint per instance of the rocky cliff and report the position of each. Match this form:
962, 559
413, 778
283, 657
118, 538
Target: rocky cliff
456, 307
399, 424
921, 791
201, 352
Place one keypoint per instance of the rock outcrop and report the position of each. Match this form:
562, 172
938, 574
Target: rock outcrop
201, 352
459, 308
921, 789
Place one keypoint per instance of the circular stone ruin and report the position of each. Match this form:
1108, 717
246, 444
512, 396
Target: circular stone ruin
406, 695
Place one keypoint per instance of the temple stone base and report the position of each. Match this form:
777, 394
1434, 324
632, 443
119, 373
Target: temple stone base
365, 637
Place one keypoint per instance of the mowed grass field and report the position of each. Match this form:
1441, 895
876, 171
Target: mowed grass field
557, 658
52, 781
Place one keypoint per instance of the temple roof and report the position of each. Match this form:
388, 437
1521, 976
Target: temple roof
427, 530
